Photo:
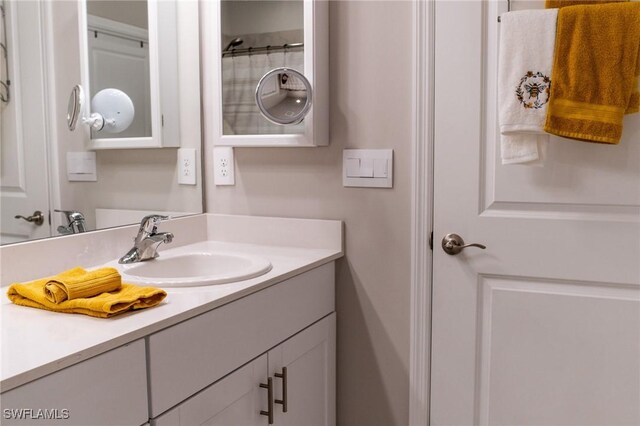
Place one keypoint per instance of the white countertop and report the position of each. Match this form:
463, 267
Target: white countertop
36, 342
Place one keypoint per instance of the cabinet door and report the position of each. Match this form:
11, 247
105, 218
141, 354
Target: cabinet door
108, 389
236, 399
309, 358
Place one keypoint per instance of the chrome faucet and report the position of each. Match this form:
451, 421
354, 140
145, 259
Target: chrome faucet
146, 243
75, 222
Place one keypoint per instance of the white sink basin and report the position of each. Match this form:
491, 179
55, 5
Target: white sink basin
195, 269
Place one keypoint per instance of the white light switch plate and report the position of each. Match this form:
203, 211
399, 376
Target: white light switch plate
223, 166
372, 168
187, 166
81, 166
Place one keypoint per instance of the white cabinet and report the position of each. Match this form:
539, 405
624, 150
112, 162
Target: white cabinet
302, 374
207, 369
190, 356
308, 362
109, 389
233, 119
234, 400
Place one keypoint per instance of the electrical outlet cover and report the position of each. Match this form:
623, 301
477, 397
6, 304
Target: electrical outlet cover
223, 166
187, 166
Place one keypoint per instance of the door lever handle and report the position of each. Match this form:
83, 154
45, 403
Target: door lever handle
453, 244
37, 217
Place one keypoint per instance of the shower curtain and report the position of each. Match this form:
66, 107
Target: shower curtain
240, 76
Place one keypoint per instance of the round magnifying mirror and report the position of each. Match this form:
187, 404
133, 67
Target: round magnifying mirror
283, 96
74, 108
115, 107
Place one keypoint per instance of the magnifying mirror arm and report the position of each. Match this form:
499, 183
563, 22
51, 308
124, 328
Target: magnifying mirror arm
96, 121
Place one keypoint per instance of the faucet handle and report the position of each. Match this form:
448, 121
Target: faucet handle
149, 222
71, 215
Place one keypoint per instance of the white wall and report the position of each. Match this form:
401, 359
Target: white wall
127, 179
132, 12
371, 91
249, 17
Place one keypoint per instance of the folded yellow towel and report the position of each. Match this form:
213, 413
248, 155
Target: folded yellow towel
129, 297
555, 4
77, 283
595, 71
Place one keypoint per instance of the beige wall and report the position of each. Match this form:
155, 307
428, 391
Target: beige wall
131, 12
370, 75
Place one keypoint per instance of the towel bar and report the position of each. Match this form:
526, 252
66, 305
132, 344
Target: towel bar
508, 9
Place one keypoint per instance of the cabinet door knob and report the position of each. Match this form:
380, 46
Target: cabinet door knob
269, 387
283, 401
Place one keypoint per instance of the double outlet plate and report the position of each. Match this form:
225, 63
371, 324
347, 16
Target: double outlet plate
223, 166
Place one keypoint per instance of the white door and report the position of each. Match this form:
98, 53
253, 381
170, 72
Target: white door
24, 174
542, 327
306, 363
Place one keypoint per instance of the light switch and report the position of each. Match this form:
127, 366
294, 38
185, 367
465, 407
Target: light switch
353, 167
380, 168
368, 168
81, 166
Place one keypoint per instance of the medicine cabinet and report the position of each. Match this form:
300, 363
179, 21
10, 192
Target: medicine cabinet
245, 40
136, 46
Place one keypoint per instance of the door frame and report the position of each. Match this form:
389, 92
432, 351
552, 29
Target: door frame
421, 210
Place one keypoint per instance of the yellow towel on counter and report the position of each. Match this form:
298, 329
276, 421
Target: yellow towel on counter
595, 71
77, 283
555, 4
129, 297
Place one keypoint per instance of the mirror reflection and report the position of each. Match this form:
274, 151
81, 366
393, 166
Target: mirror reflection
257, 36
284, 96
118, 55
50, 184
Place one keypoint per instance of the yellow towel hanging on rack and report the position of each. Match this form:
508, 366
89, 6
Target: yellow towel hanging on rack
555, 4
595, 71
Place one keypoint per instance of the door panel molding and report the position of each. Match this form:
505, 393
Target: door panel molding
569, 159
553, 315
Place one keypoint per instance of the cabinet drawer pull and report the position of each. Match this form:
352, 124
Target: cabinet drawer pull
269, 387
283, 401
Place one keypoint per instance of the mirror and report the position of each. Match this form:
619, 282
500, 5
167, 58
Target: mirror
247, 39
257, 36
48, 169
131, 46
74, 108
118, 49
113, 110
283, 96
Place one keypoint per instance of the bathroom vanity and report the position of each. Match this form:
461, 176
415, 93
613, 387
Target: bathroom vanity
258, 351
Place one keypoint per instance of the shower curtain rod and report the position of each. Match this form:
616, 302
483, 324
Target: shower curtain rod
250, 50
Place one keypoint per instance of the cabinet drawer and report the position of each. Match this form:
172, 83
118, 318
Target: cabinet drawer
109, 389
189, 356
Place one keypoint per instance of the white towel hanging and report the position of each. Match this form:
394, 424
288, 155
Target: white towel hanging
527, 42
